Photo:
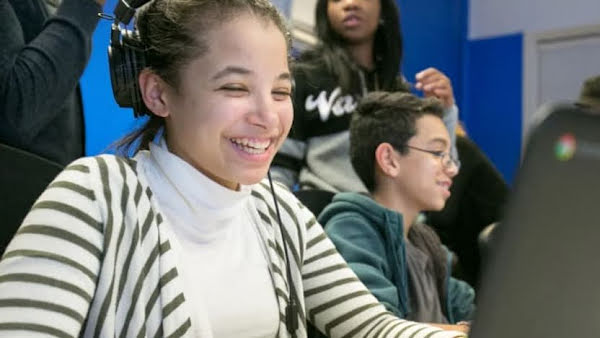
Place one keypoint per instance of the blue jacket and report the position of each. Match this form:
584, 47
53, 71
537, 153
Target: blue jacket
370, 238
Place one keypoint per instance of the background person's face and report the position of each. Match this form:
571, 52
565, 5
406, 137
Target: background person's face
354, 20
425, 182
233, 109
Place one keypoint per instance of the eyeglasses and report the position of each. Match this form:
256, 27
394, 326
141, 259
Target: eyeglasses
447, 159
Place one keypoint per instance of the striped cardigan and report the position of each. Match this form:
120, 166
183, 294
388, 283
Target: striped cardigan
92, 259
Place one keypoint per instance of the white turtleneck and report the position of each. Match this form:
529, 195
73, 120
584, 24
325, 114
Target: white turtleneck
222, 259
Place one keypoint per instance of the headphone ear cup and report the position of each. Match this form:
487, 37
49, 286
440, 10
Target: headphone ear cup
126, 59
116, 64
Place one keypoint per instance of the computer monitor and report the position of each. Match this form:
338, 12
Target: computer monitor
543, 276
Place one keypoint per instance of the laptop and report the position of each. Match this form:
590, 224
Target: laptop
542, 278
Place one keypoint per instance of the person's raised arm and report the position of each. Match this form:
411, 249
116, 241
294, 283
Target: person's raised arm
39, 71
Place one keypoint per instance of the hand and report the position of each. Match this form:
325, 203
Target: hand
100, 2
460, 326
466, 326
434, 83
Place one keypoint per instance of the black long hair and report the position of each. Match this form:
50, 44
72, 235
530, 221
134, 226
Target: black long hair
387, 47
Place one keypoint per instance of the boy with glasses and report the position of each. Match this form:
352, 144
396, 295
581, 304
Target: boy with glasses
400, 149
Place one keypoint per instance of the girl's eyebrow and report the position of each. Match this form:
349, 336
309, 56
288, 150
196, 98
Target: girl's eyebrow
244, 71
231, 70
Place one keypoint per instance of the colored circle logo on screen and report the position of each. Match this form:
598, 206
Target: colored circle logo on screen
565, 147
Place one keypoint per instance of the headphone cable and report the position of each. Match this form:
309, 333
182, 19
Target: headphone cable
291, 311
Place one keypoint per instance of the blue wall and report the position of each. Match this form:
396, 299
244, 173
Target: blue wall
493, 99
434, 32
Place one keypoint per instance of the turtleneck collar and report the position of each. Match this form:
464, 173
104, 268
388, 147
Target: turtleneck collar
183, 190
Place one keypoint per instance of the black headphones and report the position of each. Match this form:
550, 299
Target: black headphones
126, 58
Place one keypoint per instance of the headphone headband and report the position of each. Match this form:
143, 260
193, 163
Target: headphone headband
124, 12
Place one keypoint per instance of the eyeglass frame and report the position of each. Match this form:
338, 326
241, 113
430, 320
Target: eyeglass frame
441, 155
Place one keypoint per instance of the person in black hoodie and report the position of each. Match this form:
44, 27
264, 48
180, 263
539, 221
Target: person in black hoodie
45, 47
360, 50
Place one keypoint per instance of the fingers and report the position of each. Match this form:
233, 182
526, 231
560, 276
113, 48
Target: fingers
422, 75
444, 94
430, 76
434, 83
437, 82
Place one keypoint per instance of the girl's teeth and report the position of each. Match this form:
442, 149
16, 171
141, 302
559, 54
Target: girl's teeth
250, 146
251, 143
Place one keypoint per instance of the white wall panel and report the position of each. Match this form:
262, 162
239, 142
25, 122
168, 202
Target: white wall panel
304, 11
303, 21
488, 18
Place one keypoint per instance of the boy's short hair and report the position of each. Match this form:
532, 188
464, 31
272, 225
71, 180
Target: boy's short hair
385, 117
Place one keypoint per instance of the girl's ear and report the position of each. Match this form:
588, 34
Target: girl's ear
386, 159
153, 90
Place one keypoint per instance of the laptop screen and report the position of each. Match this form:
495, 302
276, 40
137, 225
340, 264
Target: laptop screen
543, 276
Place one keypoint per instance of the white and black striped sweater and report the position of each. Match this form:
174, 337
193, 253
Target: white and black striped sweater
92, 259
